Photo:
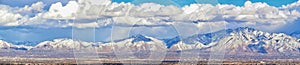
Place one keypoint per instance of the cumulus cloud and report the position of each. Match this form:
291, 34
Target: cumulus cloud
38, 7
105, 8
57, 11
155, 14
250, 14
15, 16
8, 18
293, 6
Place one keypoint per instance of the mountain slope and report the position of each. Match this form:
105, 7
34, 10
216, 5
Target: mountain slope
6, 45
63, 44
140, 43
243, 40
133, 43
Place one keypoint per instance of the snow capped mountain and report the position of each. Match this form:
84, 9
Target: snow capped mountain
140, 43
63, 44
251, 40
6, 45
138, 38
184, 46
241, 40
135, 43
207, 38
233, 41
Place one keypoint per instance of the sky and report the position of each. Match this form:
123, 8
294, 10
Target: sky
276, 3
105, 20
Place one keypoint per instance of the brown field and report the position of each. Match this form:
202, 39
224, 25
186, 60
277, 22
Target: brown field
172, 58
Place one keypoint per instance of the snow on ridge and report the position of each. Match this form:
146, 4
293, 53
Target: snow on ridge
240, 40
248, 40
63, 44
6, 45
69, 44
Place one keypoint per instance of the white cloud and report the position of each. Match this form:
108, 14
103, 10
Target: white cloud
11, 16
293, 6
86, 25
57, 11
152, 10
152, 14
133, 21
208, 27
8, 18
34, 7
94, 9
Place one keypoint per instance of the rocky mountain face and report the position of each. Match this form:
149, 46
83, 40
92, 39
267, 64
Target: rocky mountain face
241, 40
133, 43
233, 41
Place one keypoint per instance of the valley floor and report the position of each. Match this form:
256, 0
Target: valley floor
171, 58
114, 62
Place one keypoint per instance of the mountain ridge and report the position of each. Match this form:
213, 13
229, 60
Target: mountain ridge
239, 40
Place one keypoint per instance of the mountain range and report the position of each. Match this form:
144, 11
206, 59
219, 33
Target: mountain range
233, 41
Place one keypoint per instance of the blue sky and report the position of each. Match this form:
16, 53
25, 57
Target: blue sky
22, 3
36, 34
276, 3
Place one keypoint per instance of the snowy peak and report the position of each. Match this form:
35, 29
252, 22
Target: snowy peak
6, 45
139, 37
234, 41
241, 40
137, 42
67, 44
140, 42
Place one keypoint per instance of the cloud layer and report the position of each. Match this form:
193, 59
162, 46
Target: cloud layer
99, 13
